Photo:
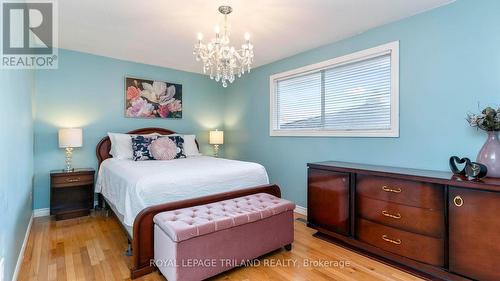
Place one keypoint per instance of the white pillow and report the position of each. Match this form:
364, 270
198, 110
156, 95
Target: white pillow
190, 147
121, 146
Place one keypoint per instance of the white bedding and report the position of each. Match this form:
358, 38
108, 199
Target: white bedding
132, 186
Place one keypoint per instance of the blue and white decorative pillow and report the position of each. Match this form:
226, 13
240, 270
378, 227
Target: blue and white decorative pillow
179, 142
140, 147
143, 148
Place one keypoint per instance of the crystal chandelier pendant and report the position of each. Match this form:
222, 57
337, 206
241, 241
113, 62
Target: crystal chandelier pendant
221, 61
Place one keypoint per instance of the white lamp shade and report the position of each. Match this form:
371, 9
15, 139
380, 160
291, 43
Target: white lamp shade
216, 137
70, 137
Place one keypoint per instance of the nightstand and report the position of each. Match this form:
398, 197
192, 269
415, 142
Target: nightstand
71, 193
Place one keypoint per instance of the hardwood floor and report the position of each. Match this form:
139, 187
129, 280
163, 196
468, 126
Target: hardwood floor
92, 248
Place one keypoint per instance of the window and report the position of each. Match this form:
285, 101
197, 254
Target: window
355, 95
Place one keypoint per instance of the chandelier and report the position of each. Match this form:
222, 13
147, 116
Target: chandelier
220, 60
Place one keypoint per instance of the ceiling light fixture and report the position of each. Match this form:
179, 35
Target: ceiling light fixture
220, 60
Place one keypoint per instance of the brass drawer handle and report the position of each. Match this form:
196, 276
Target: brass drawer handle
393, 241
393, 190
73, 180
387, 214
458, 201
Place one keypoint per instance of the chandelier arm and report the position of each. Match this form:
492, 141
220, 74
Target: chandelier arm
237, 57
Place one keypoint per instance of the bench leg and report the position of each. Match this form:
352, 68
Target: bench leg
288, 247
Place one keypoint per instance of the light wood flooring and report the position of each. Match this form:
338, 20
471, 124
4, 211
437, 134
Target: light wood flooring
92, 248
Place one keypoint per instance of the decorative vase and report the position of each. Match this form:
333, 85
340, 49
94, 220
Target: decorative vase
489, 155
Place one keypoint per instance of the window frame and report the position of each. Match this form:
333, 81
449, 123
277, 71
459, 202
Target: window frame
391, 48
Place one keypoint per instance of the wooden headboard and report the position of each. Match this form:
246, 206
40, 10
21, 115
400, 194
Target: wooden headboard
104, 146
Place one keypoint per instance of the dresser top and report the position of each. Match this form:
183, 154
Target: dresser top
441, 177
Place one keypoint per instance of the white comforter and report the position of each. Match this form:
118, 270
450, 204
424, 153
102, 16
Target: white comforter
134, 185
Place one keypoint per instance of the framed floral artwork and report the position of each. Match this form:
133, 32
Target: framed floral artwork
152, 99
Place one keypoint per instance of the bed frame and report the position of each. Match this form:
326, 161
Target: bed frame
142, 240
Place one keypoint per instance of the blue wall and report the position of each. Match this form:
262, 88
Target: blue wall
88, 91
449, 61
16, 173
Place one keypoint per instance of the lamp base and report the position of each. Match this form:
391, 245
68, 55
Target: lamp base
69, 156
216, 150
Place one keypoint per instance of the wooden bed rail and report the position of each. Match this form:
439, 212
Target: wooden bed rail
142, 243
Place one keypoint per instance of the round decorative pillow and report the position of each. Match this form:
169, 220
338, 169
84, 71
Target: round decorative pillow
163, 149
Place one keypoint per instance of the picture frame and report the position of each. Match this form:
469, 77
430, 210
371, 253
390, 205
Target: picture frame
145, 98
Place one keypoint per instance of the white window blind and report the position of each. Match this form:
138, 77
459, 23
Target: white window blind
355, 95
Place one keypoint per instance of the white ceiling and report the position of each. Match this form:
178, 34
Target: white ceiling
162, 32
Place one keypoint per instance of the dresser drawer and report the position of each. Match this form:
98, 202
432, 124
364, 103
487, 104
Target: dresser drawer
74, 180
412, 219
411, 245
412, 193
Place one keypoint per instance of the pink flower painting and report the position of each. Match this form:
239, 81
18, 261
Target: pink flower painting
133, 93
164, 111
152, 99
140, 108
175, 106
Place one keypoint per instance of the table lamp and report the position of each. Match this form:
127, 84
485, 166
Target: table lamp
216, 138
70, 138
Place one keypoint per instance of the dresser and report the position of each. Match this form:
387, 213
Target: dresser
429, 223
71, 193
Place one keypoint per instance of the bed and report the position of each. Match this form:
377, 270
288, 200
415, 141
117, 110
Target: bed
138, 190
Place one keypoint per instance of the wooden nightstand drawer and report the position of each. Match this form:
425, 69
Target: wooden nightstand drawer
411, 193
72, 180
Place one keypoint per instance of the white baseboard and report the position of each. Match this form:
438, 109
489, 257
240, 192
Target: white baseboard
300, 210
44, 212
21, 253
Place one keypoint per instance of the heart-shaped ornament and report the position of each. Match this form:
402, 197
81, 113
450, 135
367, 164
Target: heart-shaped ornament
458, 165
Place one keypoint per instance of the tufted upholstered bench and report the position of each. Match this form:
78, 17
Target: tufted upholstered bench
199, 242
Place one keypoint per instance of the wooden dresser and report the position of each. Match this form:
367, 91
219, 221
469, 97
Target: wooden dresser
430, 223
